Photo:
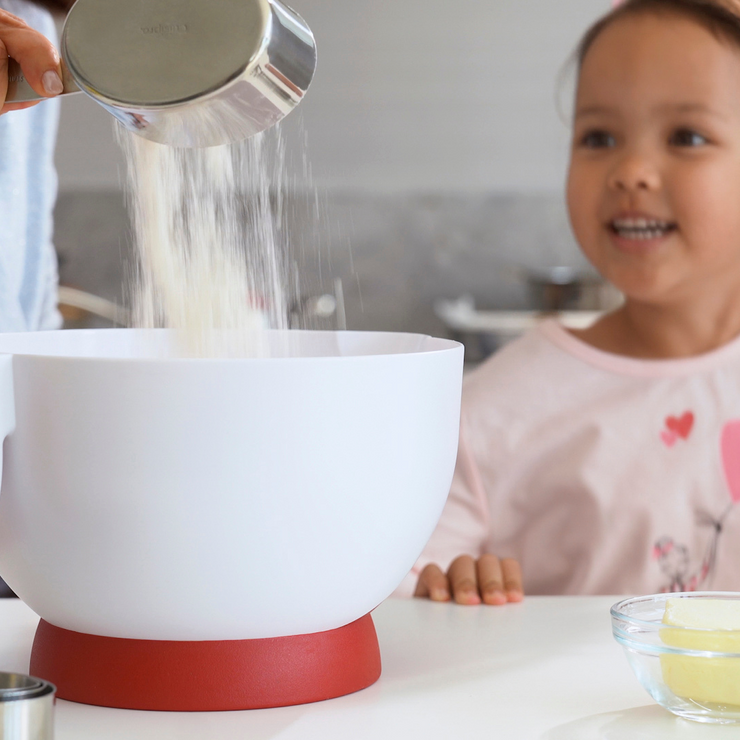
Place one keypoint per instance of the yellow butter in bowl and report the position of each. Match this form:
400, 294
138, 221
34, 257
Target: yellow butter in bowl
710, 625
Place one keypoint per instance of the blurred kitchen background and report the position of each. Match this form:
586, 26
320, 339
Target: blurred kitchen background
437, 135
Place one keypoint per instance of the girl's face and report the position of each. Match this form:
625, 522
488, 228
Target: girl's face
654, 180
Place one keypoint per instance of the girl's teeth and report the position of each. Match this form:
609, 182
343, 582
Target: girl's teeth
640, 228
641, 233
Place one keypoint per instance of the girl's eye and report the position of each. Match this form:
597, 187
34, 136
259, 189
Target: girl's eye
687, 137
597, 140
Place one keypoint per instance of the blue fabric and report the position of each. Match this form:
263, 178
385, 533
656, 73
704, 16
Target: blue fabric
28, 188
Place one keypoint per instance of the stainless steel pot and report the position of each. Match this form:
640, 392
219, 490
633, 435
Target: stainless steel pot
187, 73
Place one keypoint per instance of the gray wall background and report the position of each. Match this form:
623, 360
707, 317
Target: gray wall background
436, 133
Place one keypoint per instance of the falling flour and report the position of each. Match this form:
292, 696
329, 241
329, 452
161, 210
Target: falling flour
209, 242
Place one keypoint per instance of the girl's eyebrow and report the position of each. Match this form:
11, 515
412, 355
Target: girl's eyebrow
685, 107
689, 108
595, 110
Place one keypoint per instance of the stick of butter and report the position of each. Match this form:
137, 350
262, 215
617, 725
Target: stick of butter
706, 626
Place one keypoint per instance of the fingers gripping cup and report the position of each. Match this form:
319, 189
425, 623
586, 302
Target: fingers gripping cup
186, 73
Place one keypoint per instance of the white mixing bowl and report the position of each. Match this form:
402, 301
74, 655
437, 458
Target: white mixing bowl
154, 497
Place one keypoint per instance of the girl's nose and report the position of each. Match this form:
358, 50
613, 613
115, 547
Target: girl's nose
634, 172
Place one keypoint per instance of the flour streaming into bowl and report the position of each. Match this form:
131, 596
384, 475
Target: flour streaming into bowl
211, 260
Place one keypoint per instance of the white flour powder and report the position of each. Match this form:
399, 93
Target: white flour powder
208, 239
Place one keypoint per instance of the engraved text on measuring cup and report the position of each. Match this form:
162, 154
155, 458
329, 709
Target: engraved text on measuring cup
165, 29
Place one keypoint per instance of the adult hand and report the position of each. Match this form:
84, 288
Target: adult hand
37, 56
487, 580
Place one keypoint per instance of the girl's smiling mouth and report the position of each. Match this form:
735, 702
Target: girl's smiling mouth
639, 233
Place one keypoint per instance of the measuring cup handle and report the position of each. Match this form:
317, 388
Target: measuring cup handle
7, 401
19, 91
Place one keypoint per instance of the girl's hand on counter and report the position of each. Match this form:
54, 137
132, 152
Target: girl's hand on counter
487, 580
37, 56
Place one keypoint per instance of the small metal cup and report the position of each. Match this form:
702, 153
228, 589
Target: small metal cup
187, 73
26, 708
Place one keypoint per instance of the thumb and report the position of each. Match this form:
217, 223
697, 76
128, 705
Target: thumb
3, 73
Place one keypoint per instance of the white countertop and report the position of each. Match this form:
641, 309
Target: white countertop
547, 669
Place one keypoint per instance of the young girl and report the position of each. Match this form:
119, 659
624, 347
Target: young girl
607, 460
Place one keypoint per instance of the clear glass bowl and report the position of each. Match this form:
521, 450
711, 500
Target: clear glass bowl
694, 673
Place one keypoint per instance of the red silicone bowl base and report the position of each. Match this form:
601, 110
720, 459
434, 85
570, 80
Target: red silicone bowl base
207, 675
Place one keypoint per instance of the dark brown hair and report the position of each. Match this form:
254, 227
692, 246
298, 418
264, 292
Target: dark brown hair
716, 16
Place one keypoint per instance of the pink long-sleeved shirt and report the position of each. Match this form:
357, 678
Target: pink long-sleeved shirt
601, 474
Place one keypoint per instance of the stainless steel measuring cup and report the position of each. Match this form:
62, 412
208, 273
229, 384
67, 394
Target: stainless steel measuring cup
188, 73
26, 708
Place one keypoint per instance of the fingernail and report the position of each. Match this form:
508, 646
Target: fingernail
496, 597
440, 594
514, 596
52, 82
